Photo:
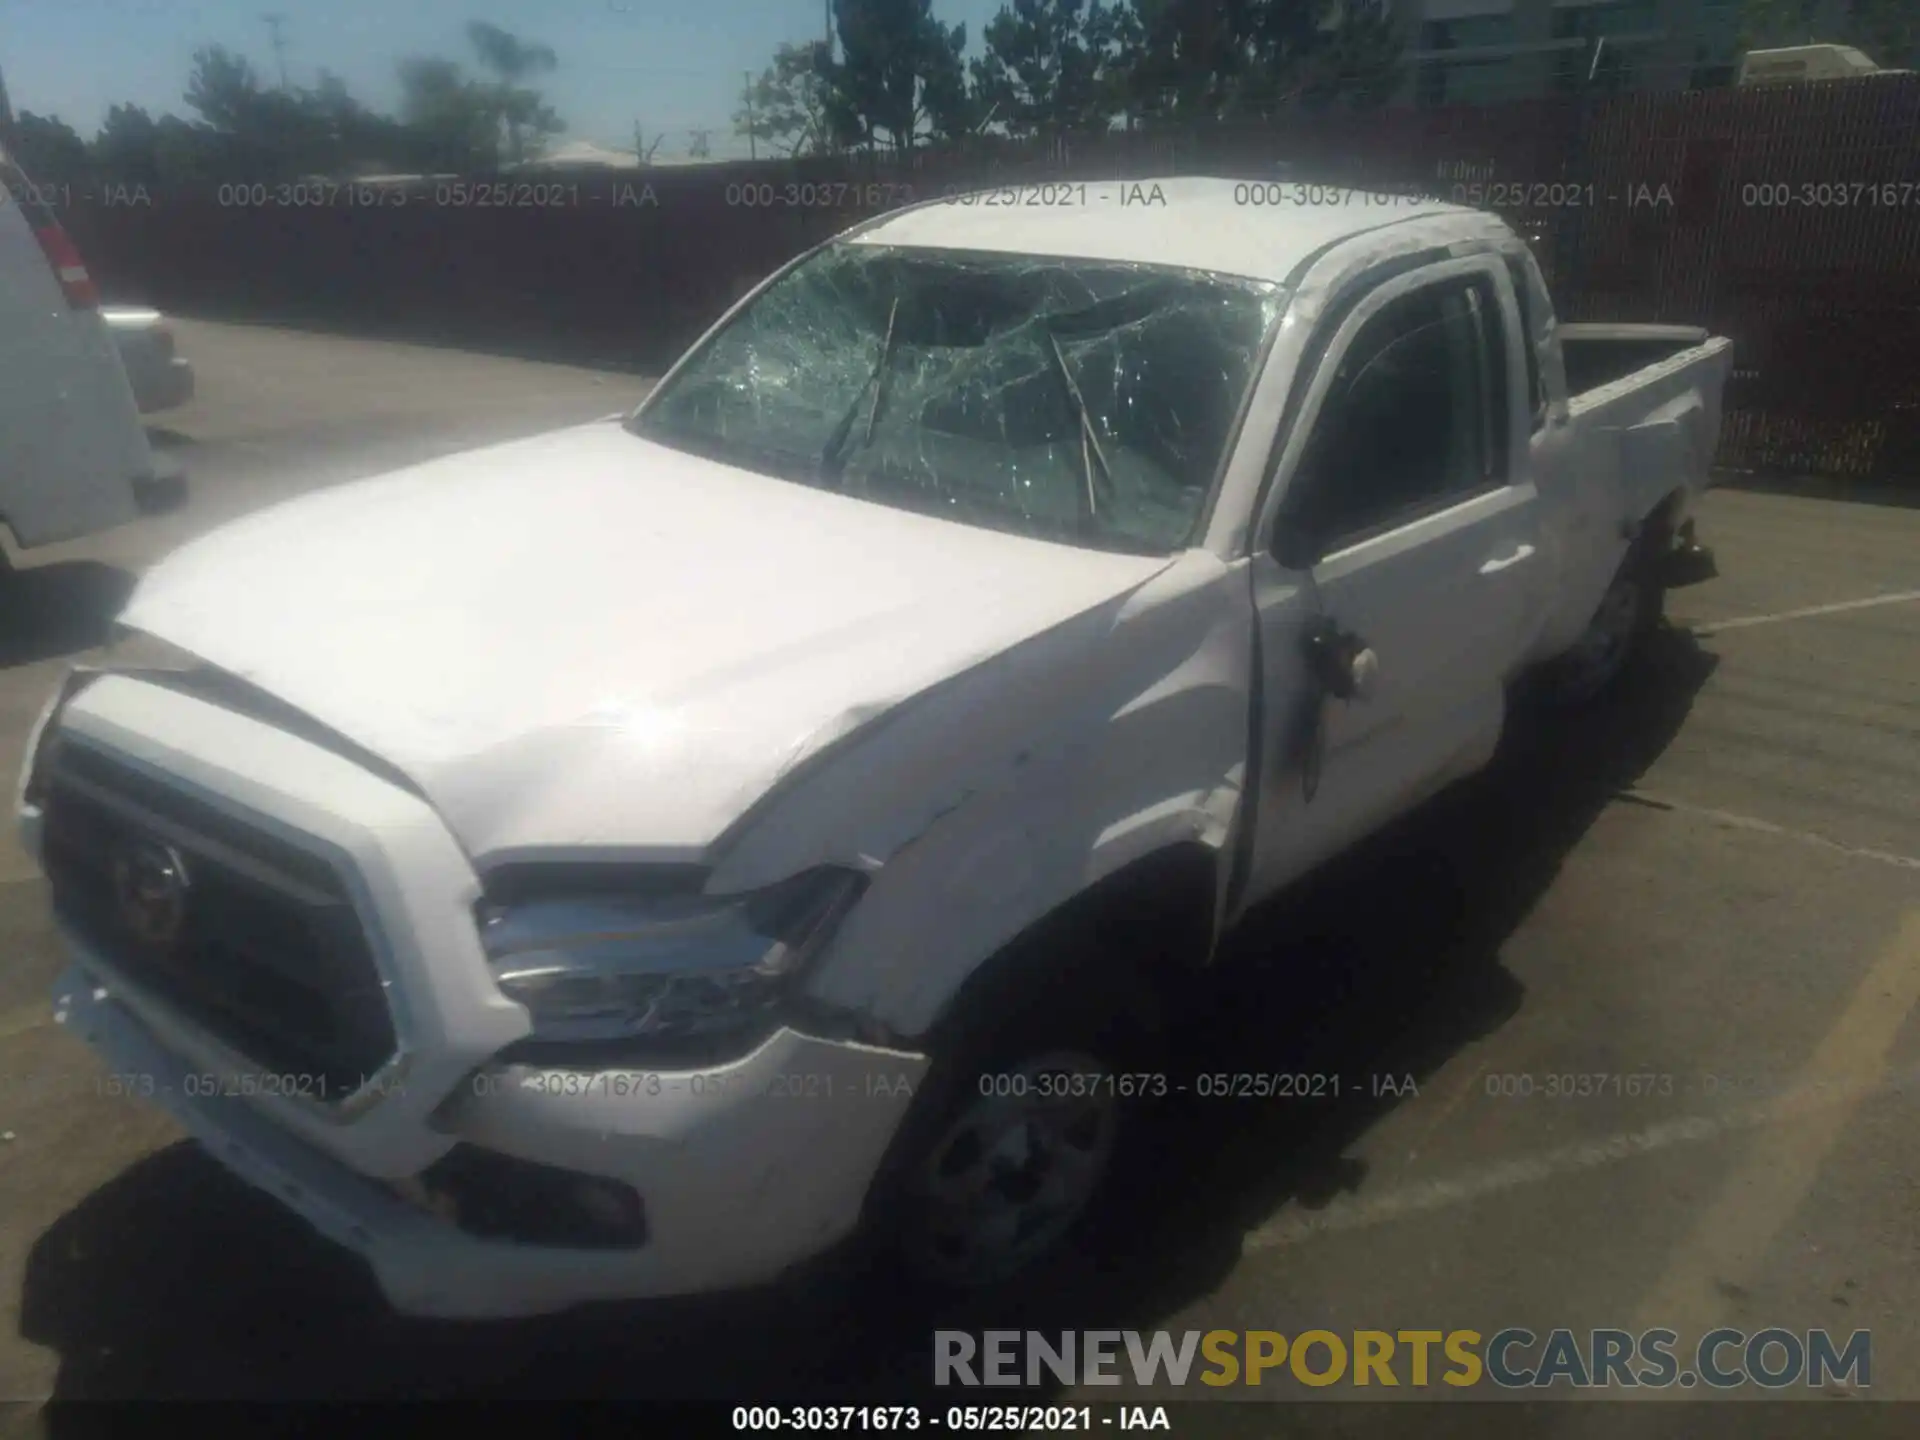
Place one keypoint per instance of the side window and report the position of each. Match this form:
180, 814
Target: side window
1523, 296
1414, 420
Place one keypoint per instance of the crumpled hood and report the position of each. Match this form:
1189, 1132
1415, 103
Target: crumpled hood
590, 641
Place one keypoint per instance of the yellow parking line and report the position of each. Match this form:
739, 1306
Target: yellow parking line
1730, 1240
28, 1017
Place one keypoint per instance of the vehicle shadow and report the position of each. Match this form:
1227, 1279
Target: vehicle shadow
58, 608
174, 1280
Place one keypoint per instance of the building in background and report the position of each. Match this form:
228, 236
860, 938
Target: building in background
1482, 52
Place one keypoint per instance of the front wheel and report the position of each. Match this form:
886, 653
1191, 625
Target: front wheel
1011, 1172
1019, 1137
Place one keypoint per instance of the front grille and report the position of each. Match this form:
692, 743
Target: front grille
261, 946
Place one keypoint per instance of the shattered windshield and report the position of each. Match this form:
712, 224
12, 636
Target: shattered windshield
1065, 399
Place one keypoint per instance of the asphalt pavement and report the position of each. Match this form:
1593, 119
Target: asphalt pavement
1712, 880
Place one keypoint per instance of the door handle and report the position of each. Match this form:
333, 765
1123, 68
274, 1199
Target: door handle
1506, 562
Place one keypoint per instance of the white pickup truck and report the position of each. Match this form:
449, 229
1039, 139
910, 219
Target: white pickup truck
630, 861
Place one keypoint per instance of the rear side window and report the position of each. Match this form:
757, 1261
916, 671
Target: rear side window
1523, 296
1414, 421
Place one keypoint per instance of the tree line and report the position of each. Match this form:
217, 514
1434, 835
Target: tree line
892, 77
451, 120
1052, 69
1056, 68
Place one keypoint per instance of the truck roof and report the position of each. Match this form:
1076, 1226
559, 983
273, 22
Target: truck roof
1190, 222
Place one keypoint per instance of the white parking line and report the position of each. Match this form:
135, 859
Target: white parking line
1829, 1092
1638, 796
1714, 627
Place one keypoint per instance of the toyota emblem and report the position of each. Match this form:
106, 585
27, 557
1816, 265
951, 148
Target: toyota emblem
150, 888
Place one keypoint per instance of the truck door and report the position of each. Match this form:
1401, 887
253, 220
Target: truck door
1407, 473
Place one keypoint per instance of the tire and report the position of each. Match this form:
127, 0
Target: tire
1628, 614
1017, 1140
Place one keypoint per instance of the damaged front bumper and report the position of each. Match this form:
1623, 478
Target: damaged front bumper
473, 1186
734, 1174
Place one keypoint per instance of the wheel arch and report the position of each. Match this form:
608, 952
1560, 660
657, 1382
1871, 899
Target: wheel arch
1154, 919
1661, 522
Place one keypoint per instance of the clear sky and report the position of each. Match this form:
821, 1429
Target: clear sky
671, 65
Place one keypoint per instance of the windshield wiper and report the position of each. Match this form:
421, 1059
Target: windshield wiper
833, 459
1093, 459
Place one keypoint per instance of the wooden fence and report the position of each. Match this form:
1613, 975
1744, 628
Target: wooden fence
1794, 228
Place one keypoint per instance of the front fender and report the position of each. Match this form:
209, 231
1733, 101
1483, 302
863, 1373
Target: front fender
982, 809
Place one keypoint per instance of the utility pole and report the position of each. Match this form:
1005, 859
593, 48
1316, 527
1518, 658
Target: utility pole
6, 113
275, 26
752, 152
829, 9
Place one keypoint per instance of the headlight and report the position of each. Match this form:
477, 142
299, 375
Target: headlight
668, 967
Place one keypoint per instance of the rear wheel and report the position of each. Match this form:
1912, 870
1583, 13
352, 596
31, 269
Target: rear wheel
1628, 613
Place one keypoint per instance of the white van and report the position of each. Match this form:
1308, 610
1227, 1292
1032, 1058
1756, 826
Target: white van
1801, 64
73, 456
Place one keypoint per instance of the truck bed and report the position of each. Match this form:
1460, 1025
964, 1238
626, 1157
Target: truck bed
1644, 405
1598, 354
